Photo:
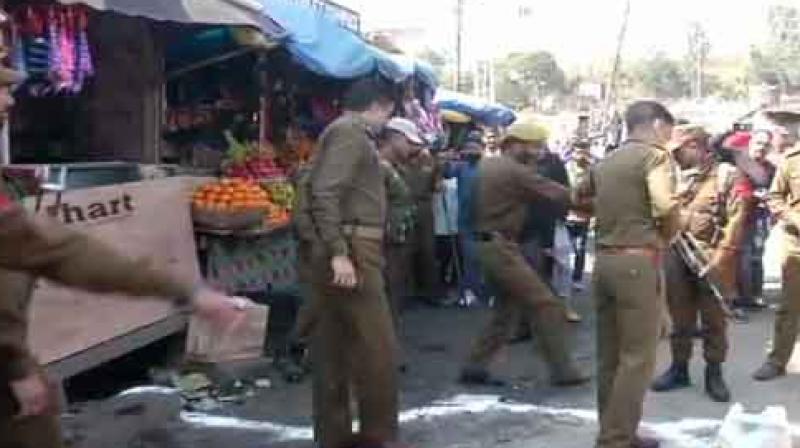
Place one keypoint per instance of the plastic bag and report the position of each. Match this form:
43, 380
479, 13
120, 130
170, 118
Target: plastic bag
245, 341
770, 429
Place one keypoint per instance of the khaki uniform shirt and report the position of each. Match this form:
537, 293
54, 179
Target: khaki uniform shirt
784, 198
346, 183
302, 220
32, 248
634, 202
504, 188
421, 176
401, 214
713, 213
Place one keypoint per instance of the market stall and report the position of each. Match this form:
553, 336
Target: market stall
99, 79
196, 125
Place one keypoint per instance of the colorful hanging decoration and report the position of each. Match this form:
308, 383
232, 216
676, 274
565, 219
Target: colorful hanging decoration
51, 46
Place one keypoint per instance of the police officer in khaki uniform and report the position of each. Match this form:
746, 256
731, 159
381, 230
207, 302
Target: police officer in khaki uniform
421, 173
714, 214
636, 215
401, 140
354, 341
784, 203
31, 248
504, 187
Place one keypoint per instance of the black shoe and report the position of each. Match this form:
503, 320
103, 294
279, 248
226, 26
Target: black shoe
521, 336
569, 377
740, 316
676, 377
755, 304
715, 384
479, 376
645, 442
768, 372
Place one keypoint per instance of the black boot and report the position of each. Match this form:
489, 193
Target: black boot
473, 375
715, 384
552, 335
769, 372
676, 377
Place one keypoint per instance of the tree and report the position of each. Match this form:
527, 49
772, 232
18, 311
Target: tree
778, 62
523, 79
662, 77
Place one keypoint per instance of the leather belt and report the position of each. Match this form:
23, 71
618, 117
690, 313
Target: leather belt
486, 237
368, 233
623, 250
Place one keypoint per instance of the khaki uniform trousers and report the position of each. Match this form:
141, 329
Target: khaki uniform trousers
629, 307
423, 253
354, 345
30, 432
688, 297
304, 322
787, 318
520, 292
398, 280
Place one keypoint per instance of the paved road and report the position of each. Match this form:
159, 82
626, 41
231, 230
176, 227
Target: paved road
438, 413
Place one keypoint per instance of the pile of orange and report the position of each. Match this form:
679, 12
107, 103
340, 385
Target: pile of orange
277, 216
231, 195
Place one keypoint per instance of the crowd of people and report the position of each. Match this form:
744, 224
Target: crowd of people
678, 217
504, 221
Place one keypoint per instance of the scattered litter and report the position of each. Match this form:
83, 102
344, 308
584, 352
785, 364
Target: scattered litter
204, 405
263, 383
237, 399
192, 382
770, 429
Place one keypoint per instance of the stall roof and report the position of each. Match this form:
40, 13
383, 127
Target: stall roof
316, 40
320, 43
325, 47
481, 110
211, 12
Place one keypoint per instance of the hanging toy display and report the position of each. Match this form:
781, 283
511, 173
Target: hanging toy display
51, 46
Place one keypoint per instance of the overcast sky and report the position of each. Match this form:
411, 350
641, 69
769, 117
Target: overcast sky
577, 31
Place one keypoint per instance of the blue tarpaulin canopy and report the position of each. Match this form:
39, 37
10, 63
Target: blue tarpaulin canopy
328, 49
480, 110
319, 43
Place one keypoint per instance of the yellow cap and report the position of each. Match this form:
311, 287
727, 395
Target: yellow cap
684, 134
527, 131
452, 116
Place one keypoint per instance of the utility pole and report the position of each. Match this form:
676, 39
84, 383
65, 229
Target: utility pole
459, 49
492, 93
611, 94
699, 47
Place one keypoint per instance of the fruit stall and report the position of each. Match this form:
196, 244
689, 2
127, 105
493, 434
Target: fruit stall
174, 136
243, 223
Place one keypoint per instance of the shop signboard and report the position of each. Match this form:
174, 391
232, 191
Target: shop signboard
148, 220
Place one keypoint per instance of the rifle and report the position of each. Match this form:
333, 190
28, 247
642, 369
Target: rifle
693, 255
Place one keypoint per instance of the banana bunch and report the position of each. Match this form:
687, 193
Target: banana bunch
281, 194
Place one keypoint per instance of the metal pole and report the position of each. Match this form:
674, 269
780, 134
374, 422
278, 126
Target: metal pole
612, 84
492, 93
459, 31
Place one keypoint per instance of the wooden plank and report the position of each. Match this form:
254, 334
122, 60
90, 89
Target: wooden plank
114, 348
147, 219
